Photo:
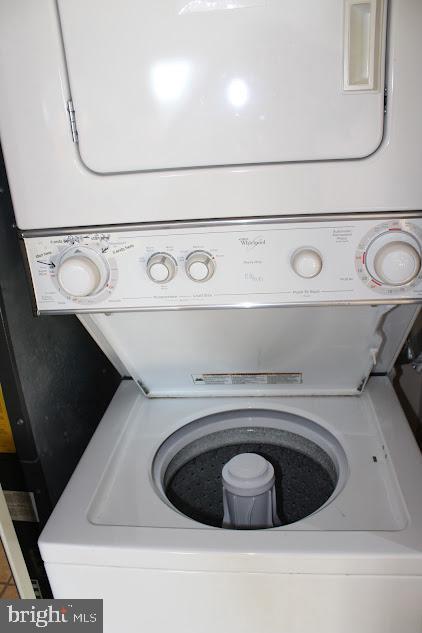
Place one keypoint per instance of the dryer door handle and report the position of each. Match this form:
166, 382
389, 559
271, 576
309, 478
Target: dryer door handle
363, 44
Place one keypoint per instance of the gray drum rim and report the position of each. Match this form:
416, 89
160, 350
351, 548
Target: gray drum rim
244, 419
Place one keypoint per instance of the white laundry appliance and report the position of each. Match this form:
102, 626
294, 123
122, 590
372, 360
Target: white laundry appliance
228, 196
141, 521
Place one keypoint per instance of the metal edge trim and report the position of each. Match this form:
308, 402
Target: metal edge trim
232, 306
27, 269
215, 222
154, 395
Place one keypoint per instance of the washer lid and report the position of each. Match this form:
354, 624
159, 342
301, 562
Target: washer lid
184, 83
312, 350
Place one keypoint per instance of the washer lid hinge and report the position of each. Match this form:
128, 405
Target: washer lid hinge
72, 121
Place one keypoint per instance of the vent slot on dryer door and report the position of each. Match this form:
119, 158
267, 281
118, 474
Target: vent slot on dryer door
165, 85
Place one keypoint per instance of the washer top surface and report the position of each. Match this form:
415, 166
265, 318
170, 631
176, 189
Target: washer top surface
344, 429
113, 511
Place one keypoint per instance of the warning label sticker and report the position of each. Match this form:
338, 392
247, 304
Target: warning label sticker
275, 378
7, 445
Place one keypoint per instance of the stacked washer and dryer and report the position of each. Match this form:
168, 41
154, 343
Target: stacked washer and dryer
228, 196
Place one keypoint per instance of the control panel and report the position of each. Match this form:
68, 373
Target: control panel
281, 262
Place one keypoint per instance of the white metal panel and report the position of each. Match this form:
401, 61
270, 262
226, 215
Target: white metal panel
325, 350
247, 603
173, 84
50, 186
396, 326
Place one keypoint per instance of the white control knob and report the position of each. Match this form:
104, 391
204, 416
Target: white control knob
397, 263
82, 272
200, 266
307, 263
161, 267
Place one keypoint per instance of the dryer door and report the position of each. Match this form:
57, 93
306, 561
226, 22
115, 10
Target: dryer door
184, 83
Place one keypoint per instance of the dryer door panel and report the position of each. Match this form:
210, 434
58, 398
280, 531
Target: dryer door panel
183, 83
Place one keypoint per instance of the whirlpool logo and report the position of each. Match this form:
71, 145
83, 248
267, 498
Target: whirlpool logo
252, 242
32, 615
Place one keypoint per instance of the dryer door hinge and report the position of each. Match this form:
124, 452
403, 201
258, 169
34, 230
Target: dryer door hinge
72, 121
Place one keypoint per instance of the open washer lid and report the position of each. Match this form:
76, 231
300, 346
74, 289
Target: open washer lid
187, 83
270, 351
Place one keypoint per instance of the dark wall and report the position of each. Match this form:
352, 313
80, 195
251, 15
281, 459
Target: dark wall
56, 382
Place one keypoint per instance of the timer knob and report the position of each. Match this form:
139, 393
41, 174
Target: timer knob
306, 262
161, 268
82, 272
200, 266
397, 263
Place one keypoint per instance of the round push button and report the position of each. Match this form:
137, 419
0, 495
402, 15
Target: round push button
307, 263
